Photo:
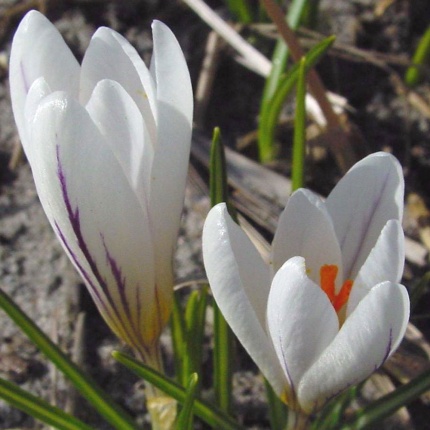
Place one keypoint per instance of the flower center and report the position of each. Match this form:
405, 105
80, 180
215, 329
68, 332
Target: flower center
328, 274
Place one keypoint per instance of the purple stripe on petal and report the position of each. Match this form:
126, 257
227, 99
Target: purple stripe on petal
84, 274
389, 346
75, 259
121, 283
74, 219
119, 279
352, 225
139, 316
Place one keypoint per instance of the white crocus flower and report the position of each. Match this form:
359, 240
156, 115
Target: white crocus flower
334, 310
108, 142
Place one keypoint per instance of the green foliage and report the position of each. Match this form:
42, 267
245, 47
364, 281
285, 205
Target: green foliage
241, 9
207, 412
277, 409
332, 415
387, 405
223, 337
83, 383
299, 143
286, 85
187, 335
421, 59
185, 419
38, 408
279, 61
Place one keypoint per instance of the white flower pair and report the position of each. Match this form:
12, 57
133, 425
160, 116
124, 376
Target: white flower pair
108, 142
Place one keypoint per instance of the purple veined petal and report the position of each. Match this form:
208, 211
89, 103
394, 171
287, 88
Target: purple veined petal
305, 229
38, 50
97, 217
367, 338
384, 263
37, 92
120, 123
174, 124
240, 280
369, 195
110, 56
301, 321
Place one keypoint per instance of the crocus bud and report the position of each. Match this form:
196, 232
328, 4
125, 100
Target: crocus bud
108, 142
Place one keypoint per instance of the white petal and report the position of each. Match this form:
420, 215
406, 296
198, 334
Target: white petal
96, 215
174, 122
301, 320
37, 92
367, 338
385, 263
305, 229
38, 50
120, 123
240, 281
369, 195
110, 56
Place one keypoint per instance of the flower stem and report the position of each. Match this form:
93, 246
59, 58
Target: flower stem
297, 420
161, 408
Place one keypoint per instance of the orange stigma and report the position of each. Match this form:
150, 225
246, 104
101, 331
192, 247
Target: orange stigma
328, 274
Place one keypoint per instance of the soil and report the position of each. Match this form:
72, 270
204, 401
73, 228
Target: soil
39, 277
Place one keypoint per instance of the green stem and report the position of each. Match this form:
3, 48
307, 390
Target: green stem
297, 420
162, 409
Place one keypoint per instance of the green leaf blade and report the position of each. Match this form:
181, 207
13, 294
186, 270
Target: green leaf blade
387, 405
39, 408
83, 383
207, 412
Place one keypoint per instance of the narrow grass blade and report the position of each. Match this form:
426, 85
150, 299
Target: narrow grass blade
299, 142
185, 419
286, 85
223, 337
179, 339
279, 61
39, 408
223, 359
421, 59
277, 409
387, 405
218, 188
195, 317
310, 14
241, 9
84, 383
187, 334
218, 185
207, 412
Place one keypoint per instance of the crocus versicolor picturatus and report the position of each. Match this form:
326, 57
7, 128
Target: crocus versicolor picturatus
108, 142
329, 310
